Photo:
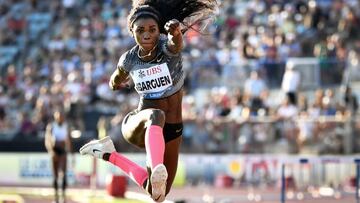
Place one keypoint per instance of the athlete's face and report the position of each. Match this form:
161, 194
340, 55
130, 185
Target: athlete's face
59, 117
146, 33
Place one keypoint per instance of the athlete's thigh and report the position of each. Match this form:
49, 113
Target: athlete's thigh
55, 164
171, 157
63, 163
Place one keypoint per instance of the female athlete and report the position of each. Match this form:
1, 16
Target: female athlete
155, 66
58, 144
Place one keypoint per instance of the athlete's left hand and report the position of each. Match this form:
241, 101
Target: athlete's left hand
172, 27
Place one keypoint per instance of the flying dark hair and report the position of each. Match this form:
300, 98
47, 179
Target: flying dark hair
187, 12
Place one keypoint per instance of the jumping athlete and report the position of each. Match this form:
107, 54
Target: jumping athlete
58, 144
155, 66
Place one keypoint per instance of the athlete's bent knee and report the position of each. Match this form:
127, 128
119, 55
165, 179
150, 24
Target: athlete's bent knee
157, 117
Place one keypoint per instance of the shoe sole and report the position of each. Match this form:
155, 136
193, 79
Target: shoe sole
158, 183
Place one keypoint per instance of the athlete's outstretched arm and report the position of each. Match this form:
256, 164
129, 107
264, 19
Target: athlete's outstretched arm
175, 37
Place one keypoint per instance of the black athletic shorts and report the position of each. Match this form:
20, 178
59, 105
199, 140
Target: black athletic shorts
59, 150
172, 131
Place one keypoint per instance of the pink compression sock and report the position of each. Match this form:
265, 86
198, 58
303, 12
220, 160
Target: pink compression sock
154, 145
137, 173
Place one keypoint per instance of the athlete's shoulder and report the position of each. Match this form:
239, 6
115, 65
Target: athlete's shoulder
126, 59
49, 126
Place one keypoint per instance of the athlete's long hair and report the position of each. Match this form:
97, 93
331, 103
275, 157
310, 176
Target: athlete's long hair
187, 12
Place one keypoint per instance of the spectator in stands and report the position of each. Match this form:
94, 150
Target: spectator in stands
350, 24
350, 100
76, 96
329, 110
16, 23
4, 121
291, 83
314, 112
4, 97
11, 77
303, 102
253, 88
271, 64
44, 104
329, 104
28, 129
236, 105
286, 115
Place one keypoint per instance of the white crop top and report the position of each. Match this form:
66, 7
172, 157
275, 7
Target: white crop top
59, 132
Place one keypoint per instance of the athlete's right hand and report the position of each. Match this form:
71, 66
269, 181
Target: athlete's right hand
116, 84
113, 86
112, 83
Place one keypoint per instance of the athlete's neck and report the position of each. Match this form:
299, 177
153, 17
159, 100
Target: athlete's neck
147, 56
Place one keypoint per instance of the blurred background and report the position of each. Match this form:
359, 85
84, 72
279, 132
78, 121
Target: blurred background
269, 82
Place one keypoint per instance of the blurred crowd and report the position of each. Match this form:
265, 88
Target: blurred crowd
240, 90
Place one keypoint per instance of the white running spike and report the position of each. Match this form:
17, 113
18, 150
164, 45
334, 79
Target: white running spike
97, 148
